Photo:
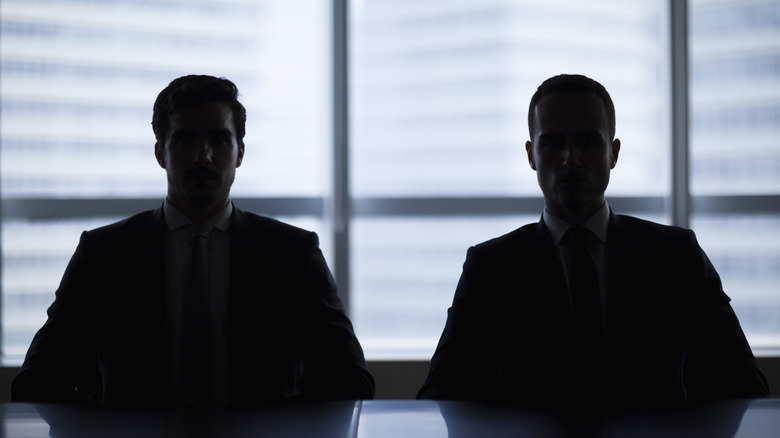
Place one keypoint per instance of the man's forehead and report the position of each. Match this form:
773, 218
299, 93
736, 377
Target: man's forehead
205, 115
577, 102
570, 111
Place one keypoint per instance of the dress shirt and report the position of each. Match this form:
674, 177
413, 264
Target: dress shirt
598, 224
177, 250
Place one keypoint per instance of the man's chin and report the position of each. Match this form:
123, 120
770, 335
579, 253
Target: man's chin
202, 188
202, 182
201, 198
574, 201
574, 196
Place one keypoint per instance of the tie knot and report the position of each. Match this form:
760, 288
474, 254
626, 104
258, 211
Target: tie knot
580, 235
201, 230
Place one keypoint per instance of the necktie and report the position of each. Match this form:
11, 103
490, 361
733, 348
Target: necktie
195, 360
586, 311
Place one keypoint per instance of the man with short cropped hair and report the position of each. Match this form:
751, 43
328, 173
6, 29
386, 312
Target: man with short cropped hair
197, 302
588, 306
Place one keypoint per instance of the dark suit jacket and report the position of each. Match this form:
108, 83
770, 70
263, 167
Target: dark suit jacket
671, 332
104, 340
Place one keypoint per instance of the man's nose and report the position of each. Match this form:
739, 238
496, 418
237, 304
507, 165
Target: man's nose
571, 154
203, 152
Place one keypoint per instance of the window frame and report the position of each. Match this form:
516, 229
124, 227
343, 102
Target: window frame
340, 208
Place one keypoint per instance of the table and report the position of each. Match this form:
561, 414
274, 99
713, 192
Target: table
758, 418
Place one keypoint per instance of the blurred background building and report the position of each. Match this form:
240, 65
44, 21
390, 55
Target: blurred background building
437, 107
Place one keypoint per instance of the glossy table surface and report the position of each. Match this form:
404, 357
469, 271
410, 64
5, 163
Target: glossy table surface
404, 418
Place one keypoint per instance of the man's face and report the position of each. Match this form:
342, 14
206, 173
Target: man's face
572, 152
200, 155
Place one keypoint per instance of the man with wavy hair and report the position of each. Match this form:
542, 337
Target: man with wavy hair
139, 320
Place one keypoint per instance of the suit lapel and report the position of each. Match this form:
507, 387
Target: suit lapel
245, 249
529, 277
147, 254
548, 269
254, 272
626, 281
257, 321
139, 301
621, 256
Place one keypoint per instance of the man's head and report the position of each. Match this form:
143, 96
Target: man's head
186, 92
571, 120
199, 125
567, 83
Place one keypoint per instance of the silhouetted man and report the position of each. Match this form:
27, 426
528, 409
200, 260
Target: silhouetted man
196, 302
588, 305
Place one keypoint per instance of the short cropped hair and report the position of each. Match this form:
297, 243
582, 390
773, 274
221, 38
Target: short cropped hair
572, 83
187, 91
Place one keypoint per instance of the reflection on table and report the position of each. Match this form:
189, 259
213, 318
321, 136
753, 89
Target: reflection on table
404, 418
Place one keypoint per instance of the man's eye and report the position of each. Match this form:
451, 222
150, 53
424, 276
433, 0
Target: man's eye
590, 141
220, 139
180, 138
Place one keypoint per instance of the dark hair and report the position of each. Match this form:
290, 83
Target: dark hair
567, 83
191, 90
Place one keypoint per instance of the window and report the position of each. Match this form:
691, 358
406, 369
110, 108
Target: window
435, 162
440, 94
77, 82
735, 154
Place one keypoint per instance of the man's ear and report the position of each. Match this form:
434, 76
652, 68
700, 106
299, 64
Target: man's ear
240, 157
529, 150
158, 153
615, 152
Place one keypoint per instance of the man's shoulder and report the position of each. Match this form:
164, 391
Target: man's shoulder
649, 229
272, 234
129, 225
258, 236
139, 231
629, 235
515, 241
257, 222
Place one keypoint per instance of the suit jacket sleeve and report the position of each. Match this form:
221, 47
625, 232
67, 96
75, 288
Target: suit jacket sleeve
460, 368
60, 366
719, 362
333, 363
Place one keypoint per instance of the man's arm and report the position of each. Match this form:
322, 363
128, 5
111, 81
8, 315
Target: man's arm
59, 365
719, 361
333, 363
461, 367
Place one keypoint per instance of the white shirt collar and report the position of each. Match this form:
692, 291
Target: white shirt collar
176, 219
597, 224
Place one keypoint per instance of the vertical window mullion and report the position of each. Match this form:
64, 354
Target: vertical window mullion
340, 197
680, 196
